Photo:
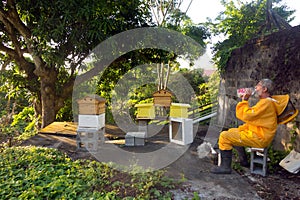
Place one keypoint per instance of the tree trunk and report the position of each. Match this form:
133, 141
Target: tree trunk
51, 100
48, 100
41, 76
48, 97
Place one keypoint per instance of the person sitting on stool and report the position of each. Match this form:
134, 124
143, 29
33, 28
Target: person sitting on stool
258, 130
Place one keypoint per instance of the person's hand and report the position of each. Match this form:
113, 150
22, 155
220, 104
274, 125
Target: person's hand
247, 94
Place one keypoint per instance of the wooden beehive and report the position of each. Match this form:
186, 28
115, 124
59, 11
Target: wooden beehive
91, 105
179, 110
145, 111
162, 98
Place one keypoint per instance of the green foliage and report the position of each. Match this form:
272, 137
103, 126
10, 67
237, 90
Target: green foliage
144, 93
167, 14
213, 85
241, 22
23, 125
146, 181
82, 24
195, 78
59, 35
196, 196
13, 95
25, 120
275, 157
174, 19
45, 173
65, 113
123, 65
31, 172
198, 32
13, 103
236, 163
204, 97
109, 118
208, 91
294, 135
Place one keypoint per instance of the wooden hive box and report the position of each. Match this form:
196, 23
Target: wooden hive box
179, 110
162, 98
91, 105
145, 111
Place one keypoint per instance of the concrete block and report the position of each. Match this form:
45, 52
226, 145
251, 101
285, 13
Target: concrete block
135, 139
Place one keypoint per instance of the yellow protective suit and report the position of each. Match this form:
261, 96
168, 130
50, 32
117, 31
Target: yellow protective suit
260, 123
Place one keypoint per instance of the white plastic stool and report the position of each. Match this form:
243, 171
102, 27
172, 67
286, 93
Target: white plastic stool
258, 163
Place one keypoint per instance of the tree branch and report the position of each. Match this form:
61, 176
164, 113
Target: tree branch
7, 50
13, 18
187, 9
11, 34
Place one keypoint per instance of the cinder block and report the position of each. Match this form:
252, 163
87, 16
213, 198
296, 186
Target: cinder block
90, 139
258, 163
135, 139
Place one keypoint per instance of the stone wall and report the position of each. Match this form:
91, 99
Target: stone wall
277, 57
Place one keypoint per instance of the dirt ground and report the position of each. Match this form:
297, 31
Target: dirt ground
278, 185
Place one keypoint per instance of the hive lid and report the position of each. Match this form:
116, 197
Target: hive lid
136, 134
162, 93
143, 105
184, 105
92, 96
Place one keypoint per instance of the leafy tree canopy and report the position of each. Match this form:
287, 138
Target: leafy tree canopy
45, 42
166, 14
243, 21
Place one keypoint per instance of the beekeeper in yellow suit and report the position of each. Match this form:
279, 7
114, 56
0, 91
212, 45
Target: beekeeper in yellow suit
259, 128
